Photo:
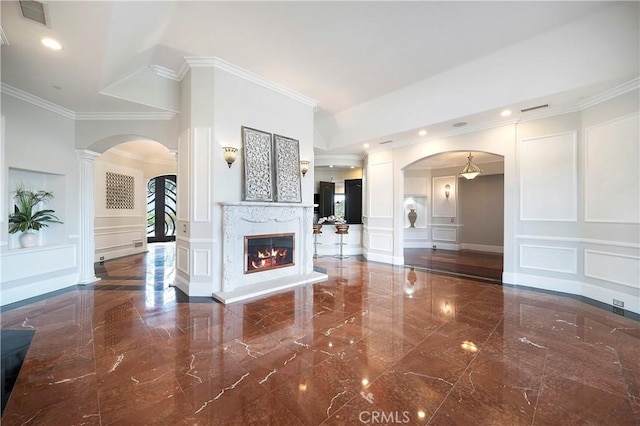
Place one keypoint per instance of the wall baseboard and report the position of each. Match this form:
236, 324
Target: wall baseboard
481, 247
37, 288
116, 253
577, 288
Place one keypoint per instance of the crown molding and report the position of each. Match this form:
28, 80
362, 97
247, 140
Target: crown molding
165, 72
610, 94
215, 62
34, 100
162, 115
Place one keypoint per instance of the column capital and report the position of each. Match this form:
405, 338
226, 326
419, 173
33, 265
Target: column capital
85, 154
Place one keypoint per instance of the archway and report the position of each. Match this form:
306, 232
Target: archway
451, 223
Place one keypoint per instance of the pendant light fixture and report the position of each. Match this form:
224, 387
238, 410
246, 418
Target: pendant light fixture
471, 170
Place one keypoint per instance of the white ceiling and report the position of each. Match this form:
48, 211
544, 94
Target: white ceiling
339, 53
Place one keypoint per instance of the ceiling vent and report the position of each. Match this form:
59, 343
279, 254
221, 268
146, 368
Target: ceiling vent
535, 107
34, 11
385, 142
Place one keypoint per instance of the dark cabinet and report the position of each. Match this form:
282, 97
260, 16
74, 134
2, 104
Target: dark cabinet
353, 200
326, 199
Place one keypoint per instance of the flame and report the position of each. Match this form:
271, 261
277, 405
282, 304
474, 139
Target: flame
268, 258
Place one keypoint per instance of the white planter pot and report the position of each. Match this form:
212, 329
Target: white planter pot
28, 239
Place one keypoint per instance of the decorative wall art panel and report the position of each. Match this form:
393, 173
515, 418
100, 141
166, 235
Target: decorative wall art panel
120, 191
287, 165
258, 165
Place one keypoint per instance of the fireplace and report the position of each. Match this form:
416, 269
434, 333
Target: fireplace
266, 252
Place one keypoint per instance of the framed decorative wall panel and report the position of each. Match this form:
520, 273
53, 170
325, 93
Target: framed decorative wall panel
549, 178
287, 169
443, 206
549, 258
258, 165
613, 267
120, 191
612, 188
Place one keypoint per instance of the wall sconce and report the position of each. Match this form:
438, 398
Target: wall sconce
447, 190
230, 154
304, 167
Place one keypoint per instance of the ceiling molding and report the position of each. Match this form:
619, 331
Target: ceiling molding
34, 100
610, 94
215, 62
164, 115
165, 72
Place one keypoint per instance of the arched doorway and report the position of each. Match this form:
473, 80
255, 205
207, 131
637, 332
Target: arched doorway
460, 223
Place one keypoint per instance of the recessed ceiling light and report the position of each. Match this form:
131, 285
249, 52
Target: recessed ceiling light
353, 167
51, 43
56, 87
422, 132
506, 113
331, 166
365, 146
460, 124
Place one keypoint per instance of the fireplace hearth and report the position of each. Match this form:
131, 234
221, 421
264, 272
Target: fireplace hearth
266, 252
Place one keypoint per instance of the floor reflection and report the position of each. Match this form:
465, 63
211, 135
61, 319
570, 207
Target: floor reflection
414, 346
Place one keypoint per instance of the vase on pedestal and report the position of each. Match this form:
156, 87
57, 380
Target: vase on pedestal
412, 218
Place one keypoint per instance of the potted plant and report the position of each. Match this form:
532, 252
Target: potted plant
27, 218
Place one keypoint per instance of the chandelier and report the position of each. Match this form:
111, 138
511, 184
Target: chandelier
471, 170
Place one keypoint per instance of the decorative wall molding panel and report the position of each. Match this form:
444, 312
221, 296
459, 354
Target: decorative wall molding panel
381, 242
549, 258
549, 178
444, 234
380, 178
182, 260
184, 158
613, 267
611, 163
201, 262
578, 240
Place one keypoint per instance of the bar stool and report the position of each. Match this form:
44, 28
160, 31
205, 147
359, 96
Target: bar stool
342, 230
316, 231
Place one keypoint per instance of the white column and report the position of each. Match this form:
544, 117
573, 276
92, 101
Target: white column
86, 247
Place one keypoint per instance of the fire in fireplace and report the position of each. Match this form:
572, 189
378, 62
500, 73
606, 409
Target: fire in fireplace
265, 252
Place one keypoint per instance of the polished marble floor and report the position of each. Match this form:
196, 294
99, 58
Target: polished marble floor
463, 262
374, 344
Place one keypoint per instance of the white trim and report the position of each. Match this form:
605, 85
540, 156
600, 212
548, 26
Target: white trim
195, 240
34, 100
152, 115
215, 62
579, 241
481, 247
609, 94
377, 257
446, 246
578, 288
442, 238
165, 72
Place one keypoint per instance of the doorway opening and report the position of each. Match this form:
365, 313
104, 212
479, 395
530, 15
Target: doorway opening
161, 209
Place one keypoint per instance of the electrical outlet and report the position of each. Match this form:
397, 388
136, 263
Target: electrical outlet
434, 246
619, 303
101, 257
452, 220
618, 311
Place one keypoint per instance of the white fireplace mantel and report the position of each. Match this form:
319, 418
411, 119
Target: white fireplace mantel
242, 219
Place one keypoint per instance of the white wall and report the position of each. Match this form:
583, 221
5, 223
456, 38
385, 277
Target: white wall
581, 168
39, 152
221, 101
122, 232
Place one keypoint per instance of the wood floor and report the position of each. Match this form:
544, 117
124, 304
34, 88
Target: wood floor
463, 262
